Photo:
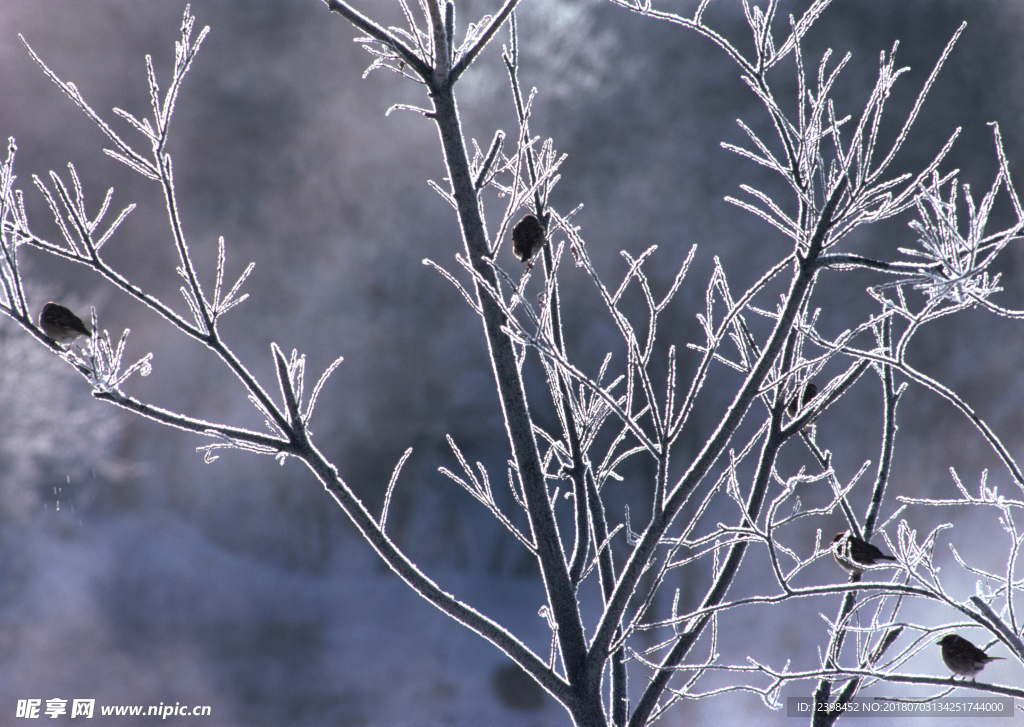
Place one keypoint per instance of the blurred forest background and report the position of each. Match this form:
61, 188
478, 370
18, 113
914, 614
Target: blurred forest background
132, 572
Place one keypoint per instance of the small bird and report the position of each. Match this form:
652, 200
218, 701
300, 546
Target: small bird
527, 238
809, 392
61, 324
962, 657
855, 555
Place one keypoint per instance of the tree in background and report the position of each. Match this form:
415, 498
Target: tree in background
609, 575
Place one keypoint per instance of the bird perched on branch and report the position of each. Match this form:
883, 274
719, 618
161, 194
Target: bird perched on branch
962, 657
61, 324
527, 238
795, 404
855, 555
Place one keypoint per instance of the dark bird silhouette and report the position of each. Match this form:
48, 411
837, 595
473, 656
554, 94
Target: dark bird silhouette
855, 555
962, 657
61, 324
809, 392
527, 238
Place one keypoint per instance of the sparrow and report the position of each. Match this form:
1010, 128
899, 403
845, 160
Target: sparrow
527, 238
962, 657
855, 555
809, 391
61, 324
